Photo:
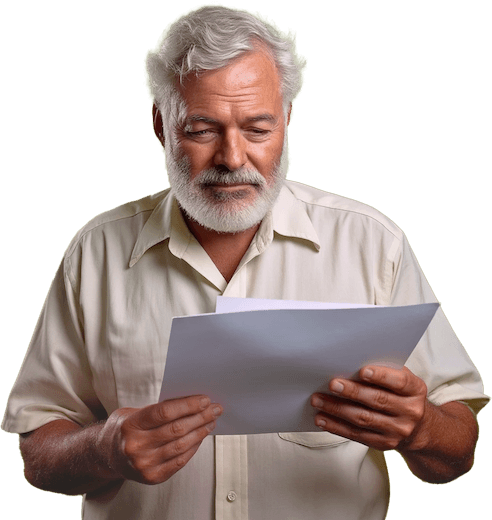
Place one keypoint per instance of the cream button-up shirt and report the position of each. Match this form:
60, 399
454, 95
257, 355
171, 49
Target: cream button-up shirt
102, 338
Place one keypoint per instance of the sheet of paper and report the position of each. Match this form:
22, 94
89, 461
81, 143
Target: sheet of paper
230, 304
262, 366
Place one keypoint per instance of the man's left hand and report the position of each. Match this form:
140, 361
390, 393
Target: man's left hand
383, 410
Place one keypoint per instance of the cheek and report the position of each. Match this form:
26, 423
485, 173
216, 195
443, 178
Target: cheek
199, 158
268, 158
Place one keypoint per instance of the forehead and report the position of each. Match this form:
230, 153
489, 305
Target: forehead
248, 85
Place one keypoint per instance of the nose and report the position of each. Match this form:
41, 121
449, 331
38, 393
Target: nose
231, 152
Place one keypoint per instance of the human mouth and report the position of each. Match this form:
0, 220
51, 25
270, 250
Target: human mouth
231, 191
229, 186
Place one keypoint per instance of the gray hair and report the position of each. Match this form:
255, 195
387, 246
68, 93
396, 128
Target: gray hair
208, 39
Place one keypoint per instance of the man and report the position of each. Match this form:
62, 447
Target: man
84, 402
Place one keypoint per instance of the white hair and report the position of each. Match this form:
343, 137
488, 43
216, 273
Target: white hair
209, 39
224, 212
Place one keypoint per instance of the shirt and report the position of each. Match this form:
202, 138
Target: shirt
102, 337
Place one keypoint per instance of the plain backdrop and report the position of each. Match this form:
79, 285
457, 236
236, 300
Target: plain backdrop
395, 111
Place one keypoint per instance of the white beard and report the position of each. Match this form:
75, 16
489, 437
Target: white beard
221, 211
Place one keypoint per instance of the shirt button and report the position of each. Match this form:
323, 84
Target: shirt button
231, 496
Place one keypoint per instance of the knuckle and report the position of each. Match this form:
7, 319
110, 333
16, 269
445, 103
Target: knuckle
407, 430
401, 383
416, 411
179, 446
165, 413
179, 462
392, 443
178, 428
334, 408
142, 466
381, 399
381, 375
365, 418
129, 448
206, 416
353, 391
404, 430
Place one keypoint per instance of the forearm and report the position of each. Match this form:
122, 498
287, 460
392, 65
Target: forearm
442, 448
147, 445
64, 458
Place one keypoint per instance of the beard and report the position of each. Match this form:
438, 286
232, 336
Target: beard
225, 211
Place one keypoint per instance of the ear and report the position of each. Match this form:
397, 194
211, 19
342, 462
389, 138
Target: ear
288, 114
158, 124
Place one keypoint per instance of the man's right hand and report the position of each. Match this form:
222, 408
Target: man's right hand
150, 444
146, 444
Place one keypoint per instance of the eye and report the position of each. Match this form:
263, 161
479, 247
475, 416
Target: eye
198, 132
201, 136
257, 134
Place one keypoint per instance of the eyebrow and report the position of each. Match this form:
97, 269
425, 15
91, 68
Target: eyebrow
203, 119
262, 117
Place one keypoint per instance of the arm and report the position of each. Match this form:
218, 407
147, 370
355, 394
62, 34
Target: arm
388, 409
444, 448
147, 445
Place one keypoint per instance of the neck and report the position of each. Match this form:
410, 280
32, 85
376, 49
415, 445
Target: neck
225, 249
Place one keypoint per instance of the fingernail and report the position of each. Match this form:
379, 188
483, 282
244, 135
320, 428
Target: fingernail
204, 402
368, 373
210, 426
337, 387
321, 423
217, 411
317, 402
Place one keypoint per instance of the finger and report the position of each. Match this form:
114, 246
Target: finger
364, 418
400, 381
184, 425
172, 466
155, 415
182, 444
150, 472
373, 397
370, 438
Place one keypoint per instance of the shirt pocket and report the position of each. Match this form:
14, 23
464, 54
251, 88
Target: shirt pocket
314, 439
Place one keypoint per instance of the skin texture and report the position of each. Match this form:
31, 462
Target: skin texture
388, 409
147, 445
235, 119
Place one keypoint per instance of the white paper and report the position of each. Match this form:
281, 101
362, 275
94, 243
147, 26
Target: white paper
230, 304
263, 366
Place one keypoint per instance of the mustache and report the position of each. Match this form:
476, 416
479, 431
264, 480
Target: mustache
222, 176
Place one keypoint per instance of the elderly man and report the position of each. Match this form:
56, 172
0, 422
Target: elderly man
85, 402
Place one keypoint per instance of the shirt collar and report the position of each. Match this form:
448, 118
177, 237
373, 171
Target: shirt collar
288, 218
156, 229
291, 219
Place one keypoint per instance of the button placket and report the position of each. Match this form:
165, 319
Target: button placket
231, 490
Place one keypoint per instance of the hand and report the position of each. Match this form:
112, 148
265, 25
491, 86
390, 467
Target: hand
384, 410
150, 444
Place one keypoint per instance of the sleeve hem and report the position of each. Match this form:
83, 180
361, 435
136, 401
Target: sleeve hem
13, 426
473, 399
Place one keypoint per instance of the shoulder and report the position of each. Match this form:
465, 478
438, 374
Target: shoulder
129, 217
321, 205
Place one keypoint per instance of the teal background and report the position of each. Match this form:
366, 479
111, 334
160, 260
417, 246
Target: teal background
395, 111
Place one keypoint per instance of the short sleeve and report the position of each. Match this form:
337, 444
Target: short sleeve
54, 381
439, 358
